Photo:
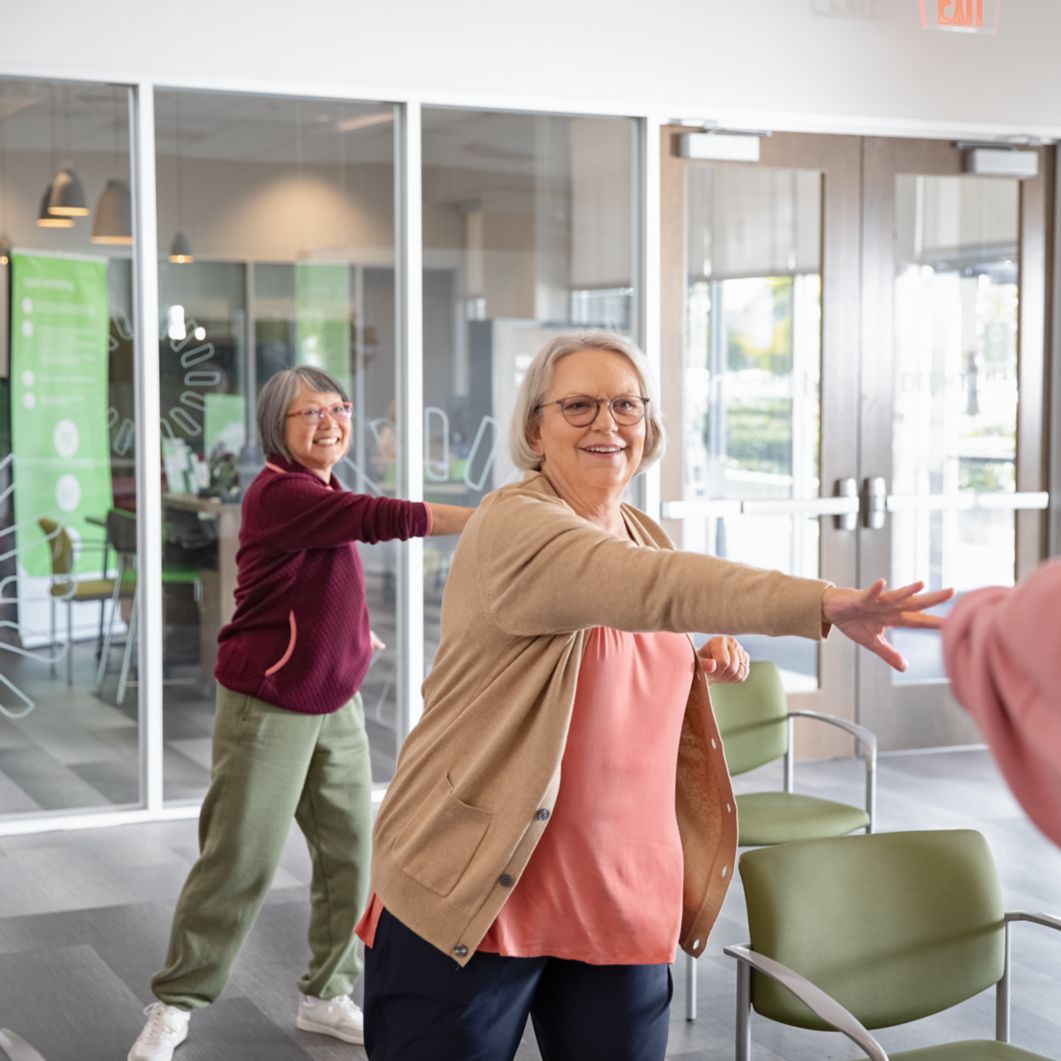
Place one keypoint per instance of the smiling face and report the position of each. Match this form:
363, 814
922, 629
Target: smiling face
316, 446
594, 463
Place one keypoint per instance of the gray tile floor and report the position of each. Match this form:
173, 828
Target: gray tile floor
84, 918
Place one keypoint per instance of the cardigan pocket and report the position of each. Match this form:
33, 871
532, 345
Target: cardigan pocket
441, 838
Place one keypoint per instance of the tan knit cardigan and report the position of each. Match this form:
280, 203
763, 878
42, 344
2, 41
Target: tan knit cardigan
477, 777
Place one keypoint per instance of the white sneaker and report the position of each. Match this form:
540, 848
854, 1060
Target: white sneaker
341, 1017
165, 1030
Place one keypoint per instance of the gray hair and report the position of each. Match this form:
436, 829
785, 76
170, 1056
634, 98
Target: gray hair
275, 398
527, 412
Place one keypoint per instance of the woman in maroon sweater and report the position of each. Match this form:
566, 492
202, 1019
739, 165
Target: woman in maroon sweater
289, 733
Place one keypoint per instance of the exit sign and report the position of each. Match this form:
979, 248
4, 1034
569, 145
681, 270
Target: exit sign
961, 16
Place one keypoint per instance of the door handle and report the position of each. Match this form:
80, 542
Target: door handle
846, 521
874, 502
1018, 501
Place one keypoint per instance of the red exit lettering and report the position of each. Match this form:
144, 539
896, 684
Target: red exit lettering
963, 14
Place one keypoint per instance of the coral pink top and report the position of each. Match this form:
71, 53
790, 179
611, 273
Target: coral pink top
604, 885
1003, 653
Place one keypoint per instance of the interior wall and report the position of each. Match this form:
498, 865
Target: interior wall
853, 63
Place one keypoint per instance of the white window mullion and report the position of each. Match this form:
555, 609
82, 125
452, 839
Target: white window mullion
410, 355
148, 462
648, 279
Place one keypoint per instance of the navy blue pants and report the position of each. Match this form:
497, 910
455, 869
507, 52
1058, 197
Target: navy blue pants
420, 1005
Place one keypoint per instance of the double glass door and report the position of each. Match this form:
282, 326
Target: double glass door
853, 357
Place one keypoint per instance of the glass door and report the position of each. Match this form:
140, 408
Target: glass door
953, 462
853, 374
760, 371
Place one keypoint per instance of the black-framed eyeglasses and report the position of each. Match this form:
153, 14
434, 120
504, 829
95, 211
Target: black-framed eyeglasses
581, 410
315, 414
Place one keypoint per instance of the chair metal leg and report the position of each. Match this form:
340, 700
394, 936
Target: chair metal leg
871, 791
104, 657
130, 641
790, 755
744, 1002
51, 610
69, 643
1002, 997
690, 987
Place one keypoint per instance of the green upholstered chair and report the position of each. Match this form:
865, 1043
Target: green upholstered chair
864, 932
68, 587
756, 726
122, 538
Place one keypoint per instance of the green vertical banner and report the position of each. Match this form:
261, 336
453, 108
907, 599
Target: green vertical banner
322, 318
59, 439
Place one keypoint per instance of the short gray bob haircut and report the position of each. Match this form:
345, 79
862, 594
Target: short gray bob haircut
532, 391
276, 397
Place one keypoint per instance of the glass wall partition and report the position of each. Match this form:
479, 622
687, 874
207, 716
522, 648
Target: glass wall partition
67, 465
276, 243
530, 228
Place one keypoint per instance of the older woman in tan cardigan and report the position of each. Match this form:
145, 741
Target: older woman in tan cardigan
561, 817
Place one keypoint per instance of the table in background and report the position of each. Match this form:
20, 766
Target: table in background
217, 601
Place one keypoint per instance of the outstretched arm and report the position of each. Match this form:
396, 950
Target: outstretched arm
864, 615
448, 519
1001, 649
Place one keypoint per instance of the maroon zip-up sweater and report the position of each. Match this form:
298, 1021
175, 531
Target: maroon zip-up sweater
299, 637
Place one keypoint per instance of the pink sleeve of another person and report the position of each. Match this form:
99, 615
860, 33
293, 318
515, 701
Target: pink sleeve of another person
1003, 652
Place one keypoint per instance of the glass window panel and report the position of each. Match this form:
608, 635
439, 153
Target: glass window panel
67, 447
955, 432
529, 230
751, 423
285, 213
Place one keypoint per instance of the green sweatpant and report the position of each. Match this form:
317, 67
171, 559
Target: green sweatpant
270, 764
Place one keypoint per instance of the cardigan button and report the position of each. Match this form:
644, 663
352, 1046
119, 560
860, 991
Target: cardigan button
542, 815
506, 880
460, 950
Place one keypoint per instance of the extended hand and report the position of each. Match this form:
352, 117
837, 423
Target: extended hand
724, 660
865, 614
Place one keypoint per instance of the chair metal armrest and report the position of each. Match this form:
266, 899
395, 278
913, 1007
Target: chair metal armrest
867, 740
813, 997
1002, 988
1048, 920
866, 737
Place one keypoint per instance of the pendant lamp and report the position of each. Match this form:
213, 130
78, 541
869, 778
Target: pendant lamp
67, 198
113, 220
46, 219
180, 252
